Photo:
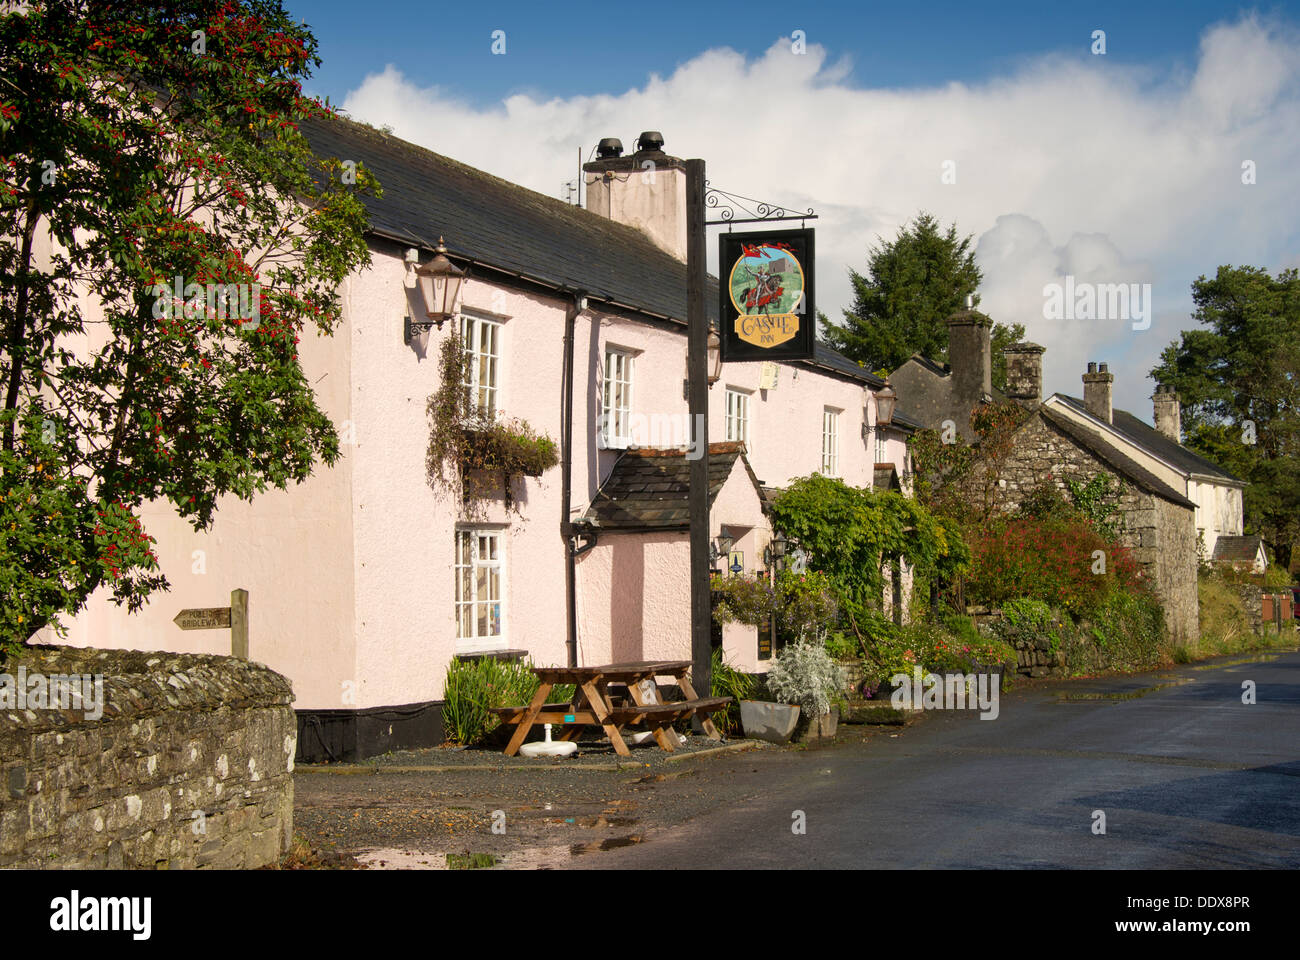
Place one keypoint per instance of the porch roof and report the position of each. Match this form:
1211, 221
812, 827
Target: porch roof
649, 488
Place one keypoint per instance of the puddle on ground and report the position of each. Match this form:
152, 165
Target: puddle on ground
613, 843
1119, 695
398, 858
1259, 658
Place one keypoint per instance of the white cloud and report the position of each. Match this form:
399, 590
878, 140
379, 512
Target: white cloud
1065, 164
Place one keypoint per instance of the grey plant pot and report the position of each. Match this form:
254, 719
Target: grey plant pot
773, 722
819, 727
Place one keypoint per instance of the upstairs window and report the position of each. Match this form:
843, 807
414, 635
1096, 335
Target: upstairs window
830, 442
737, 419
482, 340
616, 398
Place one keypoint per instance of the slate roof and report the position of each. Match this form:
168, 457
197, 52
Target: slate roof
904, 423
1092, 441
648, 489
926, 401
500, 224
1152, 440
1237, 549
824, 356
938, 369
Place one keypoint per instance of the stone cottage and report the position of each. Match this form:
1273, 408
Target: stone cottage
1054, 444
1216, 493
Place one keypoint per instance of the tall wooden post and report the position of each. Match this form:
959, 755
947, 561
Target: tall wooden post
239, 623
697, 359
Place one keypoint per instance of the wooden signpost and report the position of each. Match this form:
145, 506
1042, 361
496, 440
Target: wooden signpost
233, 617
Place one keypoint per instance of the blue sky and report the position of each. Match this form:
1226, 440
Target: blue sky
1126, 167
569, 49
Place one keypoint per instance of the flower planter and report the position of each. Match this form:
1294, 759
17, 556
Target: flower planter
773, 722
810, 728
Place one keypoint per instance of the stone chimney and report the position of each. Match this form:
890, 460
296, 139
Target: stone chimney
1097, 383
1025, 374
646, 190
968, 356
1168, 412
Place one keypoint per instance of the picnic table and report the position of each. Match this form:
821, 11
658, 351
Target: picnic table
612, 696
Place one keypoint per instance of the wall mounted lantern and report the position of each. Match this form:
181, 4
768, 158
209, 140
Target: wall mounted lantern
439, 281
720, 548
714, 362
775, 550
886, 400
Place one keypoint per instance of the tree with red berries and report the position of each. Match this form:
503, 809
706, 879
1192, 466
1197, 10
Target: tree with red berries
166, 237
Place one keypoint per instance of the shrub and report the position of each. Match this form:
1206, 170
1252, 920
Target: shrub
840, 646
804, 674
1125, 633
1225, 624
1026, 621
1276, 577
805, 605
473, 687
933, 649
730, 682
1052, 561
962, 627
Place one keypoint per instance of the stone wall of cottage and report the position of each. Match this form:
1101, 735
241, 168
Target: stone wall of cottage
189, 766
1161, 534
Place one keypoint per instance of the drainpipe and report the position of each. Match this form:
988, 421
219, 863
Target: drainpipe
576, 306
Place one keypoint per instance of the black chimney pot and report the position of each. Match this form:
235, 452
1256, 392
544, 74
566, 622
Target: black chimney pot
609, 147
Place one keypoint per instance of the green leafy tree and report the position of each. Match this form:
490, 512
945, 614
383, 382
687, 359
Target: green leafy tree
901, 305
140, 142
1238, 376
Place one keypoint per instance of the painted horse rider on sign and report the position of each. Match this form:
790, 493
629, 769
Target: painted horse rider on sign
765, 290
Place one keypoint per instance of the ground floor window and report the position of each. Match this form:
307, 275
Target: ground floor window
480, 596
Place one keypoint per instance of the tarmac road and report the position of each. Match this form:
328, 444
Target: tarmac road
1186, 774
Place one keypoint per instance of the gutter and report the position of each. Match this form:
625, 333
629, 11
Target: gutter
577, 304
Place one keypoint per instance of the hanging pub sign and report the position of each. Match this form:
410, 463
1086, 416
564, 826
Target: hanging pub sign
767, 310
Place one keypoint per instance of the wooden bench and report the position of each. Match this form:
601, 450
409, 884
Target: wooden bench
611, 696
668, 712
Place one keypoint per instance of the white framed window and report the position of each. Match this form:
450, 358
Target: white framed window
880, 447
830, 442
480, 593
482, 339
616, 398
737, 419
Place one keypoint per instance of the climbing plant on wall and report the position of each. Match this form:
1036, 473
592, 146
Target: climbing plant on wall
852, 535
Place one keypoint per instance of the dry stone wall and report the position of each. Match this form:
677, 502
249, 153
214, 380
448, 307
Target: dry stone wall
190, 764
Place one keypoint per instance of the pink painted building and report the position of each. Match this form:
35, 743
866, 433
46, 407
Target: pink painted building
365, 581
